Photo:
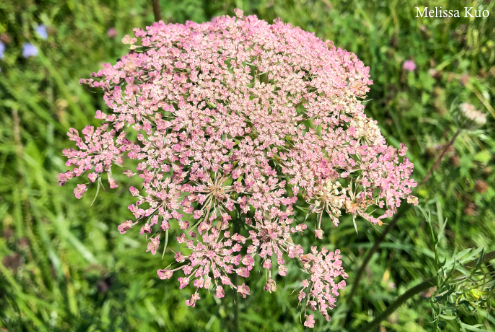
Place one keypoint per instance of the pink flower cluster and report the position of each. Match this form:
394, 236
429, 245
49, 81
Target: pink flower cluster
320, 289
217, 255
237, 118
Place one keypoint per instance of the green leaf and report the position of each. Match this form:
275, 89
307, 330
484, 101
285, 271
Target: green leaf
483, 156
474, 328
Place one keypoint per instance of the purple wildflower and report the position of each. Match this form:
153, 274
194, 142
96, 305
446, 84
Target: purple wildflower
2, 49
41, 30
29, 50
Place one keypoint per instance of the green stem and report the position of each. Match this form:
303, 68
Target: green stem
403, 209
400, 300
235, 295
373, 249
413, 291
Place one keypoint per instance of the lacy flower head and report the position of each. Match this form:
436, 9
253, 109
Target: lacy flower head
229, 126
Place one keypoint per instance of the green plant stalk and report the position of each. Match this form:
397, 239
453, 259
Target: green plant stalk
235, 296
413, 291
403, 209
400, 300
373, 249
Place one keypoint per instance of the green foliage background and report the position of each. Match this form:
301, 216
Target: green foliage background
65, 267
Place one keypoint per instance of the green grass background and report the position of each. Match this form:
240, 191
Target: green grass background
65, 267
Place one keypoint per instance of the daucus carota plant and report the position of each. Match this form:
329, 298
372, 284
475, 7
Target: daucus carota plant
238, 122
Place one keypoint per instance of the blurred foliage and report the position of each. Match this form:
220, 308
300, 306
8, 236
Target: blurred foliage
65, 267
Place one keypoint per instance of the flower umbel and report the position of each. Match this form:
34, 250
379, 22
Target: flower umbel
237, 120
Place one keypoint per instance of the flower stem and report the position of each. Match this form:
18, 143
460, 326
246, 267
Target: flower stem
400, 300
156, 10
235, 322
413, 291
439, 159
373, 249
403, 209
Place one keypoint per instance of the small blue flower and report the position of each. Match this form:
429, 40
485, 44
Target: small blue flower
29, 50
41, 30
2, 48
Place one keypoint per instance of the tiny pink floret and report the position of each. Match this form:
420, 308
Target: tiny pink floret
409, 65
